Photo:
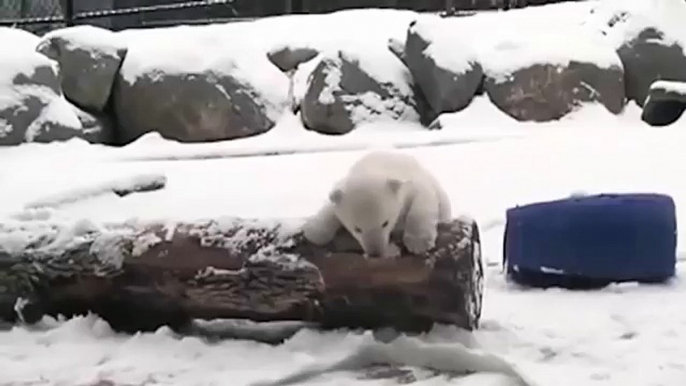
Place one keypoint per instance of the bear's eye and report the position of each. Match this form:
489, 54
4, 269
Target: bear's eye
358, 230
385, 224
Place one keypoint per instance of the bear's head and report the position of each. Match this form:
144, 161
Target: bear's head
369, 209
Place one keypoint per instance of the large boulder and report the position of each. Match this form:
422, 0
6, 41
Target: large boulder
649, 56
96, 127
344, 91
32, 107
545, 79
195, 92
649, 38
287, 58
89, 59
444, 68
665, 104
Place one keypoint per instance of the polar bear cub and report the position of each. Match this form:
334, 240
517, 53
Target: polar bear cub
383, 193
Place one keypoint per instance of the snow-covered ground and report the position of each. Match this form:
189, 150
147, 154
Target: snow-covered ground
628, 335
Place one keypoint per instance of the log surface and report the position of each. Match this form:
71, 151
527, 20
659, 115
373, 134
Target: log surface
140, 277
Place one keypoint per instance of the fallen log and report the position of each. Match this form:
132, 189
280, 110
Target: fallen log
141, 277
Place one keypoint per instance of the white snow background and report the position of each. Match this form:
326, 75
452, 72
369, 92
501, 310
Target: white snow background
628, 335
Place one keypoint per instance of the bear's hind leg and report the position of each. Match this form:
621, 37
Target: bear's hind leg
321, 228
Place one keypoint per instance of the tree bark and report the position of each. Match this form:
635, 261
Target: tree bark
140, 277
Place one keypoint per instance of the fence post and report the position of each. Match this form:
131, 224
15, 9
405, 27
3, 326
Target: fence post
69, 13
449, 5
289, 7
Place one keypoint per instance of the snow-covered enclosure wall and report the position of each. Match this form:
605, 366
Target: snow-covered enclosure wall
335, 71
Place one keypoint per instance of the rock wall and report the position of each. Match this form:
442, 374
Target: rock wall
230, 81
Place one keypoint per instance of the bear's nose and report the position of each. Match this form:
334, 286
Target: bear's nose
374, 244
374, 255
374, 252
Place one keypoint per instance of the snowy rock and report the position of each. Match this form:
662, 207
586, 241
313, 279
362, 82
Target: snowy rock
97, 127
18, 39
545, 79
196, 93
397, 48
32, 107
444, 68
649, 38
89, 59
665, 103
650, 56
288, 58
342, 92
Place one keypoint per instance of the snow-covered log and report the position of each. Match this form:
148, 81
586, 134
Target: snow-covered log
140, 277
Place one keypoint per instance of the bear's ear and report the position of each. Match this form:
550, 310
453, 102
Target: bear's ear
394, 184
336, 196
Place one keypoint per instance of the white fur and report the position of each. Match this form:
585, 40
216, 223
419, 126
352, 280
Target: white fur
383, 188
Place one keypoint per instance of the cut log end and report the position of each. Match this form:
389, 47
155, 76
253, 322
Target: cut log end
143, 278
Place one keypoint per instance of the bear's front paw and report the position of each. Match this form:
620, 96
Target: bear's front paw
419, 244
392, 251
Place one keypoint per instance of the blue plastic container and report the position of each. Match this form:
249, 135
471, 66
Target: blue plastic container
592, 240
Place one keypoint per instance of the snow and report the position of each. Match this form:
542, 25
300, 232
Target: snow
18, 63
628, 334
19, 55
214, 233
372, 109
332, 80
239, 49
144, 243
57, 112
383, 67
550, 49
454, 357
300, 79
448, 46
670, 86
366, 106
99, 41
128, 184
592, 337
15, 38
543, 36
629, 18
20, 59
182, 52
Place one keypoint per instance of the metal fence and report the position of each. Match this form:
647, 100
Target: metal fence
40, 16
43, 15
12, 10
